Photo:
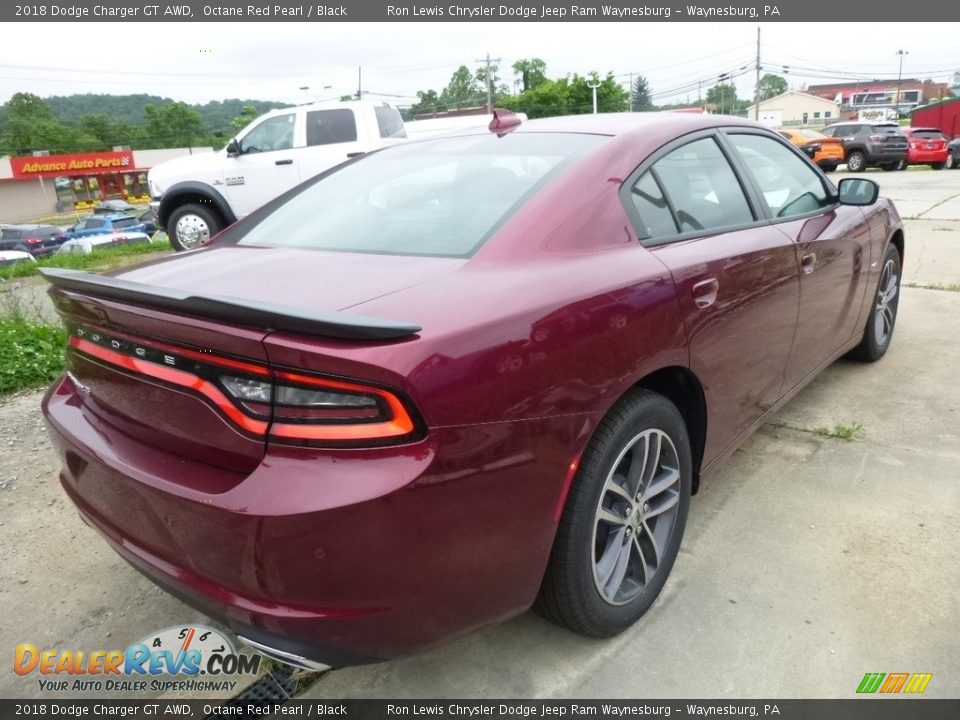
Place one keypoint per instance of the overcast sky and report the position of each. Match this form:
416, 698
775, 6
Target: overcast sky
271, 61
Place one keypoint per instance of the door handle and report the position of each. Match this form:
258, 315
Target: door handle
705, 292
355, 154
808, 263
284, 162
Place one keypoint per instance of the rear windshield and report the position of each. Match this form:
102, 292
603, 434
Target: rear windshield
46, 231
928, 134
390, 122
125, 222
811, 134
440, 197
888, 129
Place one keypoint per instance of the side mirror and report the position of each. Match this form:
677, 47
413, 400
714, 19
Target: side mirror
858, 191
233, 148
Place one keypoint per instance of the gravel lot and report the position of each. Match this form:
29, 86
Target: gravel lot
808, 561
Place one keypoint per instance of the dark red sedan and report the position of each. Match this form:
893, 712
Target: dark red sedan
447, 380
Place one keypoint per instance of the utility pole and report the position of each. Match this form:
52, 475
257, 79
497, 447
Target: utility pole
756, 91
901, 53
488, 60
593, 86
359, 83
631, 92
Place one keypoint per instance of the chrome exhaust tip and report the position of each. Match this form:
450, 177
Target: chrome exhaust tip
285, 657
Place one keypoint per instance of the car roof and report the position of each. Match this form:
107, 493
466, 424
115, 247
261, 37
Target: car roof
33, 226
623, 123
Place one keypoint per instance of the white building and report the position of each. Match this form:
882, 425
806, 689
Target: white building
796, 108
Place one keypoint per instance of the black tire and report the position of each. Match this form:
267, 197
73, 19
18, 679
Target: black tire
950, 164
828, 167
903, 165
856, 162
890, 167
192, 226
571, 593
883, 313
938, 166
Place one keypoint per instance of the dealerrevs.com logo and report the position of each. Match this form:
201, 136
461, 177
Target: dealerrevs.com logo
185, 651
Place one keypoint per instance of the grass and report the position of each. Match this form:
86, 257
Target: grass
946, 287
31, 353
96, 261
841, 431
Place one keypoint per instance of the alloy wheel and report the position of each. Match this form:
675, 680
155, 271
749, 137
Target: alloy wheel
885, 310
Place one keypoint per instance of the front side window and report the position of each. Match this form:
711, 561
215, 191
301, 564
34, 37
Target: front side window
274, 133
702, 187
328, 127
789, 185
440, 197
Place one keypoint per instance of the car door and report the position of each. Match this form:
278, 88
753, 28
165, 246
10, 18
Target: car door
736, 278
266, 165
332, 137
832, 244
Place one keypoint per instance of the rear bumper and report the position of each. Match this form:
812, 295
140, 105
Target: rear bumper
925, 157
337, 556
879, 156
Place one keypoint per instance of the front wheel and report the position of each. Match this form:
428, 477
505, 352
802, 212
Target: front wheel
856, 161
883, 315
828, 167
192, 226
623, 521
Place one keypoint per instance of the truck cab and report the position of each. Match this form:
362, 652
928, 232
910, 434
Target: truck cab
199, 195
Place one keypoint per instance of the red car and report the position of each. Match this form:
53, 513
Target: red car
928, 146
443, 381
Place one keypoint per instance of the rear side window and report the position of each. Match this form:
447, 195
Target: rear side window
789, 185
390, 122
702, 187
652, 208
327, 127
440, 197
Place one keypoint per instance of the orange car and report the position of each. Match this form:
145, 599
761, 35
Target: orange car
827, 156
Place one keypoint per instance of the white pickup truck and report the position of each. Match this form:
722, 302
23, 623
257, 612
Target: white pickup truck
199, 195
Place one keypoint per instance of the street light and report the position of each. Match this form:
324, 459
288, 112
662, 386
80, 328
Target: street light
901, 53
593, 86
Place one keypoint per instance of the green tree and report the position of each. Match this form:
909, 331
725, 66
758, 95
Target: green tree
532, 72
771, 85
724, 96
611, 97
428, 103
640, 99
174, 125
463, 90
246, 116
29, 124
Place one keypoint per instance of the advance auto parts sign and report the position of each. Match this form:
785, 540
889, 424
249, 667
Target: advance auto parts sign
77, 164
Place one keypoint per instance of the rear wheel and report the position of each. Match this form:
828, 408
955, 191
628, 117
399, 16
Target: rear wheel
890, 167
856, 162
883, 315
938, 166
950, 163
624, 519
192, 226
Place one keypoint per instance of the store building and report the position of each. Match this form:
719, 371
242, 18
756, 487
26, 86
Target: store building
864, 94
40, 184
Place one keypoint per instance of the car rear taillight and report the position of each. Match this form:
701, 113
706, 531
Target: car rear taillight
877, 138
259, 401
34, 240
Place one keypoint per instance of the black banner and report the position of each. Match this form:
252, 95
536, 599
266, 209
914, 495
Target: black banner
472, 11
854, 709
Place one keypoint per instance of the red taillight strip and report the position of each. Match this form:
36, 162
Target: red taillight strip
399, 424
176, 377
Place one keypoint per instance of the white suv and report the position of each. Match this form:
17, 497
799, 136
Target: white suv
199, 195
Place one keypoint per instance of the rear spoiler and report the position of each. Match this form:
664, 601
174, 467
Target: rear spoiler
241, 311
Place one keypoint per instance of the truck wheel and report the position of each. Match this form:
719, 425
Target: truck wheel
192, 226
856, 162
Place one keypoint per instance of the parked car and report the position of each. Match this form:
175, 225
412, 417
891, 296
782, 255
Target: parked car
953, 153
148, 218
86, 245
38, 240
870, 144
827, 152
104, 224
114, 206
425, 389
199, 195
928, 146
9, 258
